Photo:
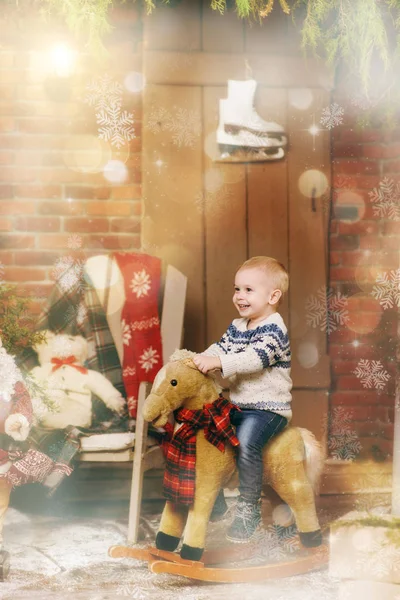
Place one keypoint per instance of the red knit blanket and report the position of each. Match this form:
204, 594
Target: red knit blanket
180, 451
140, 322
29, 463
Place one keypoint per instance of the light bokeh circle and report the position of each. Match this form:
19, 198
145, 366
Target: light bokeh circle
349, 206
282, 515
301, 98
313, 183
134, 82
307, 354
213, 180
115, 171
364, 313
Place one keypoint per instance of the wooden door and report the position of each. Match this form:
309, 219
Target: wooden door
205, 217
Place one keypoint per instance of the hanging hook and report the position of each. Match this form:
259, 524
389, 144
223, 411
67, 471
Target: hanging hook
313, 195
248, 69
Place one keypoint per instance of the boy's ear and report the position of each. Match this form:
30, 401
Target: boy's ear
275, 296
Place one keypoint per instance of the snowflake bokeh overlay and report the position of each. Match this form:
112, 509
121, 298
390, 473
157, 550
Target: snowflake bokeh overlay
183, 124
387, 289
326, 310
115, 124
372, 374
386, 199
332, 116
343, 442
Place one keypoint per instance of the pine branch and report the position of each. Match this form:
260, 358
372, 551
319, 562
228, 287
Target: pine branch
219, 5
16, 324
350, 31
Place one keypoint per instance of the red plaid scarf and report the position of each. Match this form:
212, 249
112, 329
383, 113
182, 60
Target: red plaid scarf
180, 451
140, 323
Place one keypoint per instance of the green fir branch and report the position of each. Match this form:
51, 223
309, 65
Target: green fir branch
83, 16
353, 32
16, 324
219, 5
17, 333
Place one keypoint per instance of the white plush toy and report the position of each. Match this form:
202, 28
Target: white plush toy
70, 385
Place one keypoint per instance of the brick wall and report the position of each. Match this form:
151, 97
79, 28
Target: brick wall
363, 244
54, 198
49, 210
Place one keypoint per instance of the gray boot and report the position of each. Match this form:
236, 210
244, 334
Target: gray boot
246, 521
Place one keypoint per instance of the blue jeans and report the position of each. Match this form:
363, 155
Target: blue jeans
253, 429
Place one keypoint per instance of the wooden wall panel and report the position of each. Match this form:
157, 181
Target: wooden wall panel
205, 217
212, 68
268, 36
172, 225
225, 223
174, 28
267, 192
221, 33
308, 165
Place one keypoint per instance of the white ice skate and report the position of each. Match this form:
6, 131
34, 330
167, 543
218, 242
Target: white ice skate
242, 134
240, 112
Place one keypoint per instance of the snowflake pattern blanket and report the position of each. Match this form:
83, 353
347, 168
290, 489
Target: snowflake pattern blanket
24, 462
140, 323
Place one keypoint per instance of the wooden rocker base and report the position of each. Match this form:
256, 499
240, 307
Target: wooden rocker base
161, 561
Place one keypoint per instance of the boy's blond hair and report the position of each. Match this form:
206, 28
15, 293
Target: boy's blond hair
272, 268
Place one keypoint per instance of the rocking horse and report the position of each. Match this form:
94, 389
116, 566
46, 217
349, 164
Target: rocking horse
293, 462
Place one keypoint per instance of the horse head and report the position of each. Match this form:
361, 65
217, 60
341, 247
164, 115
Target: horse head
178, 383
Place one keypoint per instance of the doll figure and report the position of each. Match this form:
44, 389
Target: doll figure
21, 461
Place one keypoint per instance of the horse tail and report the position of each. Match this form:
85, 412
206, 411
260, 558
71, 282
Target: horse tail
314, 458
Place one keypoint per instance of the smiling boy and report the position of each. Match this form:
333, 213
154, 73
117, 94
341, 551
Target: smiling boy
254, 354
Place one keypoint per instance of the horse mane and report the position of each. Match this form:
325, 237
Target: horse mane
182, 354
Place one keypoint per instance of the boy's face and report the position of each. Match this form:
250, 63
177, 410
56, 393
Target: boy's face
255, 297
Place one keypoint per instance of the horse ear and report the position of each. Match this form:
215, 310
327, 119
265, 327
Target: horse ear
188, 362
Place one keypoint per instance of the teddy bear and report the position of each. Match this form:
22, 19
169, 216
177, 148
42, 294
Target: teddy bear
69, 383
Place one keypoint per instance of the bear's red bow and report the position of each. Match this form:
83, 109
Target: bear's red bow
69, 360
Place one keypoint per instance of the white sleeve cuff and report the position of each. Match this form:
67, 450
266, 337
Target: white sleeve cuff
228, 364
20, 434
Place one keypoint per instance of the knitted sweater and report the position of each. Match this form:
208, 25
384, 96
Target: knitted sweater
257, 364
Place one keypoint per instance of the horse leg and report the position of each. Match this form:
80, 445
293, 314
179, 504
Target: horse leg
171, 527
197, 521
295, 489
213, 470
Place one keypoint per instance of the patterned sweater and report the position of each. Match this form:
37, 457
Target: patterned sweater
257, 364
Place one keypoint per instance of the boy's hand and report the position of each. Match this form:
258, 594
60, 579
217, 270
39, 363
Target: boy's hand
206, 363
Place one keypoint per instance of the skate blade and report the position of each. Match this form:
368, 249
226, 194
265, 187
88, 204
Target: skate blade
248, 130
250, 141
234, 154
